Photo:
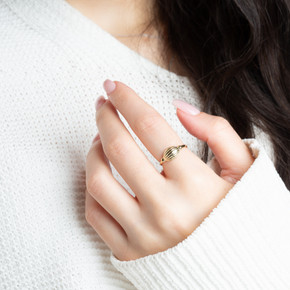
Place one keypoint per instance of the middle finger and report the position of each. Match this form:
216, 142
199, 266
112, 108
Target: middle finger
153, 130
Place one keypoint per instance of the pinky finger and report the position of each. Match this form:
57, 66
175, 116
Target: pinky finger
106, 226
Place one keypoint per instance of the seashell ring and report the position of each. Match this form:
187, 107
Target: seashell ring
171, 152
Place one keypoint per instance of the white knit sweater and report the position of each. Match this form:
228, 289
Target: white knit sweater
53, 61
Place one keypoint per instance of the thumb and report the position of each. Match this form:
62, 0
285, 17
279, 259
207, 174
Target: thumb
232, 154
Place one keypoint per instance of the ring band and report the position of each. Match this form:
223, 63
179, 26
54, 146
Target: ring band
171, 152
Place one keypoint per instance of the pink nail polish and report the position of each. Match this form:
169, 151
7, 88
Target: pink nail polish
99, 102
185, 107
96, 138
109, 86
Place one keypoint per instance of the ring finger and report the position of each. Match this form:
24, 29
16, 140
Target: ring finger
153, 130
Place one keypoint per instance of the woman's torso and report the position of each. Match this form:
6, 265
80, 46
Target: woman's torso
52, 65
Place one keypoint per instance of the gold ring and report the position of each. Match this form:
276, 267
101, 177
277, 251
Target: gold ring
171, 152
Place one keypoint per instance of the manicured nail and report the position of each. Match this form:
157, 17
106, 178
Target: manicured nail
96, 138
185, 107
109, 86
99, 102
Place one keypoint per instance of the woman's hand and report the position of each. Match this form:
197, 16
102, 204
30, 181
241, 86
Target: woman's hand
167, 207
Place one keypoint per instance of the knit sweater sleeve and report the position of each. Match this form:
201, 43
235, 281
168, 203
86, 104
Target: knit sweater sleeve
244, 243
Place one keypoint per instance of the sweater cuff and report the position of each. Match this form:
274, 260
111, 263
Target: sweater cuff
243, 243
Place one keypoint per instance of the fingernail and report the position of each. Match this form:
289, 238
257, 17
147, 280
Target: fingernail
99, 102
96, 138
109, 86
185, 107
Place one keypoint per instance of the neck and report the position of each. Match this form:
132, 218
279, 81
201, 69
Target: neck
129, 17
118, 17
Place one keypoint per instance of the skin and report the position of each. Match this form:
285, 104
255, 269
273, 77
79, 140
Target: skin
170, 205
116, 16
130, 17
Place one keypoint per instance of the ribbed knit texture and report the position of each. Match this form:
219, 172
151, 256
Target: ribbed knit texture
53, 61
242, 244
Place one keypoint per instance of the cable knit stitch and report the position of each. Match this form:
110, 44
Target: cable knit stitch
53, 61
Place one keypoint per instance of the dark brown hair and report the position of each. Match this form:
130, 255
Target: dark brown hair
236, 53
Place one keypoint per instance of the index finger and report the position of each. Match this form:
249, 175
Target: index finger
150, 127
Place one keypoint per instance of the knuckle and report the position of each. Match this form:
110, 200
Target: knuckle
146, 238
197, 180
89, 215
93, 213
122, 99
163, 221
116, 149
93, 216
219, 123
89, 154
174, 223
164, 217
146, 243
95, 184
148, 123
100, 114
217, 127
175, 220
183, 229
